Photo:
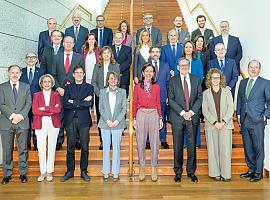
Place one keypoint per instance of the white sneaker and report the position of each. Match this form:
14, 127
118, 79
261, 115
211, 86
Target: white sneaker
49, 177
41, 177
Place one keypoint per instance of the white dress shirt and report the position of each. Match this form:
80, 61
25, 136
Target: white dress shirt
112, 99
225, 39
145, 52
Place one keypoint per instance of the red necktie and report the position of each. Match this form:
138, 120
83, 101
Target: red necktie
186, 93
67, 63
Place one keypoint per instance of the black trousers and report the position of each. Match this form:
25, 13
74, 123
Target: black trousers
98, 115
31, 133
72, 130
178, 140
126, 87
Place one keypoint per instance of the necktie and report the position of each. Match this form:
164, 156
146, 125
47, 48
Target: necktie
249, 87
156, 66
186, 93
55, 50
117, 51
100, 38
221, 65
179, 32
149, 30
67, 63
76, 32
15, 92
30, 76
173, 49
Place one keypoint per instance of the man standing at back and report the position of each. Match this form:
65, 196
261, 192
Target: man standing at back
15, 103
78, 32
154, 31
183, 35
103, 34
253, 110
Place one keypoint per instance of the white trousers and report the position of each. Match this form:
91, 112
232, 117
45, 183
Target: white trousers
46, 163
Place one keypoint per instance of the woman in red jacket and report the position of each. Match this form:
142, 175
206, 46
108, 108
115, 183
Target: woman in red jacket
46, 109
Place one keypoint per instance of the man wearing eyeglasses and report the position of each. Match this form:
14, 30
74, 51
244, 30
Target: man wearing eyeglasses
155, 33
185, 101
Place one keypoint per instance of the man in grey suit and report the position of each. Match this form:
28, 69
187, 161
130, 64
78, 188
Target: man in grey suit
185, 100
201, 30
62, 71
155, 33
15, 103
183, 35
253, 110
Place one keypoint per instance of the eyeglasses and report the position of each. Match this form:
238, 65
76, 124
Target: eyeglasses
147, 18
31, 57
215, 78
220, 49
182, 66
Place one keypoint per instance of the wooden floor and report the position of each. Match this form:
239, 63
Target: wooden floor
165, 189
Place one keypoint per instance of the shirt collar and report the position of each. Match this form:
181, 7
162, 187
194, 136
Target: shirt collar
33, 69
11, 83
108, 89
182, 76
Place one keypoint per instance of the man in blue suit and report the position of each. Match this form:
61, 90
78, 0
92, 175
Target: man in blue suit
253, 110
172, 51
226, 65
103, 34
232, 44
163, 77
30, 75
78, 32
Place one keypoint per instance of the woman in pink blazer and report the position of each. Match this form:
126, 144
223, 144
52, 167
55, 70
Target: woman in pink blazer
46, 109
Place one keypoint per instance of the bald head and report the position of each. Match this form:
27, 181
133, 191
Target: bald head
76, 19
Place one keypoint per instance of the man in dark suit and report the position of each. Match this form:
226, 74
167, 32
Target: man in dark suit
78, 32
15, 103
201, 30
253, 110
78, 99
30, 75
185, 100
123, 56
103, 34
172, 51
62, 70
50, 51
155, 33
226, 65
163, 77
183, 35
232, 44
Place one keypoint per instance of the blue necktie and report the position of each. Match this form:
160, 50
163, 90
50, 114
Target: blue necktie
117, 51
221, 65
100, 38
30, 76
173, 49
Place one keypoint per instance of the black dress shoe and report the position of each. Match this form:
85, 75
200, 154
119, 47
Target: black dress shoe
256, 177
147, 146
100, 146
58, 147
6, 180
164, 145
23, 178
177, 177
247, 175
85, 176
67, 176
193, 177
77, 146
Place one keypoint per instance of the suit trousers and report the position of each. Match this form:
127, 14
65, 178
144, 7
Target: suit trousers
98, 115
147, 124
107, 134
126, 87
219, 147
8, 144
61, 136
253, 141
178, 140
46, 164
31, 133
72, 130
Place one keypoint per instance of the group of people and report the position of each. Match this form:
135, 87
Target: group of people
174, 82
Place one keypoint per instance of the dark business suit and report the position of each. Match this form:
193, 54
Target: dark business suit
254, 111
156, 36
234, 49
83, 33
124, 59
230, 71
168, 56
208, 35
61, 79
177, 105
107, 36
34, 87
48, 57
8, 105
77, 118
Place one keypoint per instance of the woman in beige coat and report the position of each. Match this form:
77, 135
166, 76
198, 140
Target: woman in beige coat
217, 108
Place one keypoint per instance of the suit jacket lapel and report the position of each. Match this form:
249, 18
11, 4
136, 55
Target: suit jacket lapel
254, 88
19, 92
9, 87
108, 104
222, 102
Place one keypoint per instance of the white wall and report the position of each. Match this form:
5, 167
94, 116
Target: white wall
249, 20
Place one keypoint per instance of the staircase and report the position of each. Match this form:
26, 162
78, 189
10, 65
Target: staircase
164, 13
